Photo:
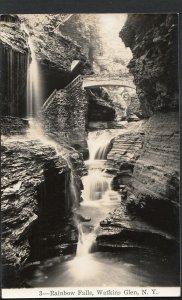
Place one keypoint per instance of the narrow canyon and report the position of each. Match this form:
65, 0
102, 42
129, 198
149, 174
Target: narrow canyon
90, 150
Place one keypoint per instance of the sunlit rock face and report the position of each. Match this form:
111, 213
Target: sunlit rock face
97, 34
153, 42
14, 60
153, 192
35, 200
112, 57
82, 28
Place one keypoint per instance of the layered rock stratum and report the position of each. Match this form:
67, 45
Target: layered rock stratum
149, 176
36, 198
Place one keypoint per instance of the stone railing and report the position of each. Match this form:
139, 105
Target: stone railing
73, 83
49, 100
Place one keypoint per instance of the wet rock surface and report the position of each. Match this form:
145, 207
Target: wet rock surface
123, 230
49, 41
36, 203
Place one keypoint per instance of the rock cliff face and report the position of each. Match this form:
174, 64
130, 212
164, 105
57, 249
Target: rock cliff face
125, 102
148, 177
82, 28
153, 42
14, 61
154, 190
36, 202
125, 151
55, 54
100, 106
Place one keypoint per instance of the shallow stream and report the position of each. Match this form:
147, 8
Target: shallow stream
134, 267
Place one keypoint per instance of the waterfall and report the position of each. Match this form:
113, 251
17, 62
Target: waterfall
98, 196
98, 145
85, 242
34, 84
95, 185
34, 91
34, 103
36, 132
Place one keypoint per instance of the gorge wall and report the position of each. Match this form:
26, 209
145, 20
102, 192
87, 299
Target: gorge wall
54, 53
37, 199
145, 161
36, 180
29, 169
14, 61
154, 189
153, 42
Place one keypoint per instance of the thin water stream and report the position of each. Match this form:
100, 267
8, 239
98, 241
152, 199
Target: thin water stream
34, 83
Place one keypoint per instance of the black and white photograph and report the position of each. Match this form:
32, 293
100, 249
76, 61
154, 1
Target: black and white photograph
90, 155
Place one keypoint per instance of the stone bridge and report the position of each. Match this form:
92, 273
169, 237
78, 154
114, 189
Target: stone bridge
98, 81
91, 82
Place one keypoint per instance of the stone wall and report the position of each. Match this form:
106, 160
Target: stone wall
66, 116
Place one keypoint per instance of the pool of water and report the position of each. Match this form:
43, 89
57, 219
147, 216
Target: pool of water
128, 268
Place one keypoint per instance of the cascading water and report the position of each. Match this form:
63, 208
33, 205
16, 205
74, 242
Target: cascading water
98, 144
98, 269
88, 268
34, 83
96, 183
34, 92
36, 132
98, 196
